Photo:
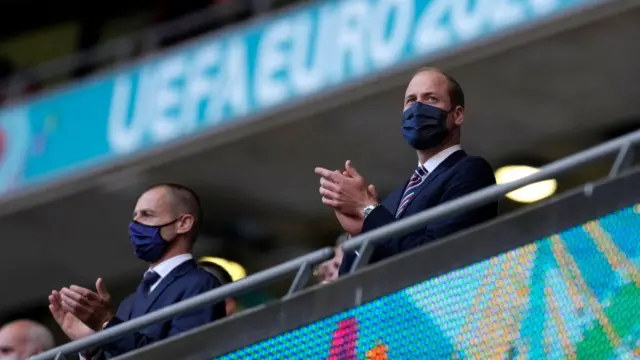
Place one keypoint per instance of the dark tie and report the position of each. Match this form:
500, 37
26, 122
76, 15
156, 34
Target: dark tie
416, 180
149, 278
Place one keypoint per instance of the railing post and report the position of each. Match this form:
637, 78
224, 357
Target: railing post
60, 356
624, 159
301, 279
362, 256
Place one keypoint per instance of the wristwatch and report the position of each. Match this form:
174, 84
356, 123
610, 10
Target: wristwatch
367, 210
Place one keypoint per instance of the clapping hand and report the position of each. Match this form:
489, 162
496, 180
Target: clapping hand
347, 193
69, 323
94, 309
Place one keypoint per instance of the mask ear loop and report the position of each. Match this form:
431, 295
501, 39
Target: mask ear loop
158, 226
193, 225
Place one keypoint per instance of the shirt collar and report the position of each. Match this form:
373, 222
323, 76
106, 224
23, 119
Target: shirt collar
438, 158
164, 268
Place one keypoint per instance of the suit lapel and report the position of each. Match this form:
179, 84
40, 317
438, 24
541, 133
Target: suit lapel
166, 281
442, 167
392, 201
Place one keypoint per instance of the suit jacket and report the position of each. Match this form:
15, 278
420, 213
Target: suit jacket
185, 281
458, 175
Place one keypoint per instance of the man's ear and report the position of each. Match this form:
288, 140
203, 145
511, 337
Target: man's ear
458, 115
185, 224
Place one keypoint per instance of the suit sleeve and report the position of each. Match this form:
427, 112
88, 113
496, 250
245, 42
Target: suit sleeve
178, 324
477, 175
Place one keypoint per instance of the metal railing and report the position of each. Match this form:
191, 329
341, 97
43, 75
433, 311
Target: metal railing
363, 243
123, 48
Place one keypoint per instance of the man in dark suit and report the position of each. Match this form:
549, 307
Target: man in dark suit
431, 121
162, 233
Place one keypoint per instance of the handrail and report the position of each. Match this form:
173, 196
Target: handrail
362, 242
123, 46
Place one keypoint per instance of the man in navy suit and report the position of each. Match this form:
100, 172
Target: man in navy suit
162, 233
431, 121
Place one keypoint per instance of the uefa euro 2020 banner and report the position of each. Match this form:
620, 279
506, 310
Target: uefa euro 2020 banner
573, 295
223, 78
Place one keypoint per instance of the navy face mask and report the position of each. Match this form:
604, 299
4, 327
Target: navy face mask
147, 241
424, 126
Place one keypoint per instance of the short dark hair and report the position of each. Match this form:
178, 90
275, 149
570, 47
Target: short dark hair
186, 201
456, 95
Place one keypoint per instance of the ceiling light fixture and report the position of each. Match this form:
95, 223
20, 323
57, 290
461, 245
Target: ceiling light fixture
234, 269
526, 194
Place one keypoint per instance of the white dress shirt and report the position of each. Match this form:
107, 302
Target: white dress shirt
438, 158
164, 268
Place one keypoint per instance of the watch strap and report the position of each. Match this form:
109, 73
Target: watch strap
367, 210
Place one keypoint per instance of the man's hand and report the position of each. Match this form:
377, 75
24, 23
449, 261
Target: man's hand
93, 309
346, 192
350, 224
69, 323
328, 270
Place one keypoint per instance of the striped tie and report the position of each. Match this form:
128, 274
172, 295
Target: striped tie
416, 179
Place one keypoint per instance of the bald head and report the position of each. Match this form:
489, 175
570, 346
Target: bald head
182, 201
172, 207
24, 338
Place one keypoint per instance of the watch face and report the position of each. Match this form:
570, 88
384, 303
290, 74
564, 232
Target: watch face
368, 210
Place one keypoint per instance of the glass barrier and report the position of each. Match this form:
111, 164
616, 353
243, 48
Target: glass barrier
575, 294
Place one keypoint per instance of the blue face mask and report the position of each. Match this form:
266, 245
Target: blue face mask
147, 241
424, 126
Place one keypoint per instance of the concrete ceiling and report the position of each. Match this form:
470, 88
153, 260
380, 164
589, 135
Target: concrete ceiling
544, 99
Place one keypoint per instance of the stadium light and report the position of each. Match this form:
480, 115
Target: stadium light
526, 194
234, 269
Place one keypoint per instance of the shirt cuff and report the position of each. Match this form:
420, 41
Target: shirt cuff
111, 323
